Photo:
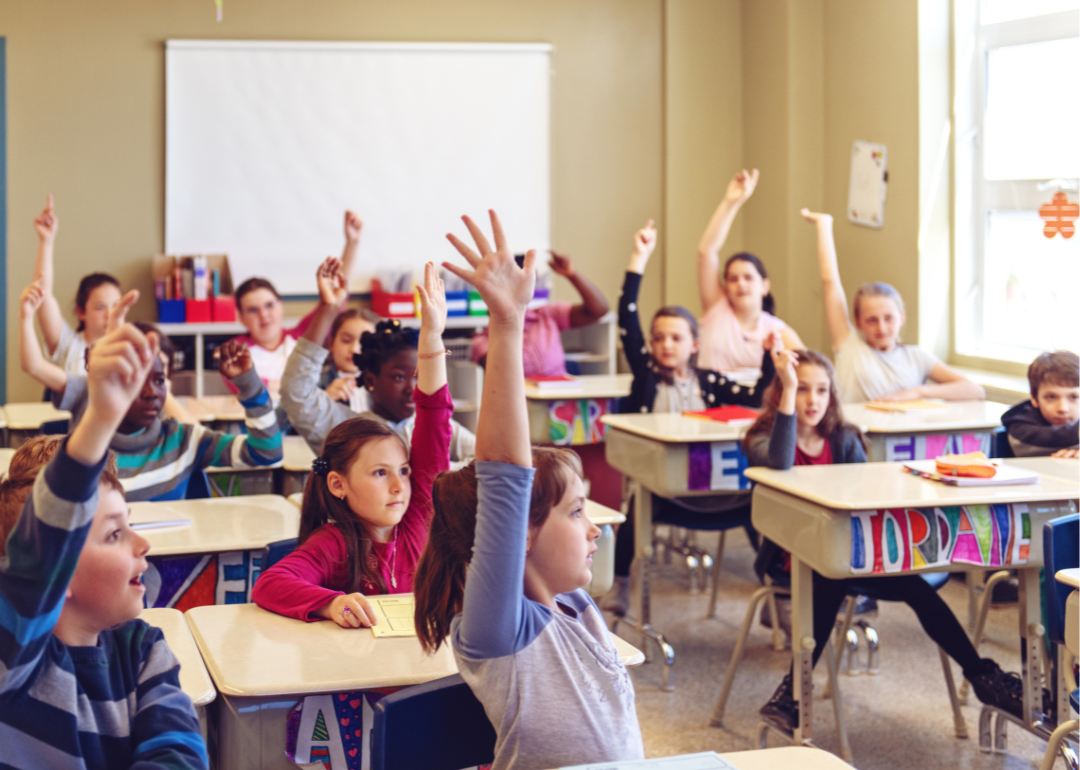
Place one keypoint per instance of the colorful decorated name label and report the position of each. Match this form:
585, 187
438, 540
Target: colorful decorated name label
899, 449
716, 465
577, 422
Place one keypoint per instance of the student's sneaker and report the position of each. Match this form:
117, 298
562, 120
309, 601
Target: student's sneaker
782, 710
1005, 594
617, 599
1001, 689
865, 605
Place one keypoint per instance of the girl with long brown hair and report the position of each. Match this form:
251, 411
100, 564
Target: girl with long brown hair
367, 503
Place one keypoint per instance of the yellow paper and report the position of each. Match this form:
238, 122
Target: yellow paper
394, 613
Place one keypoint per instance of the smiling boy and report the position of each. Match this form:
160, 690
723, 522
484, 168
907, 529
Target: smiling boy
83, 683
1047, 424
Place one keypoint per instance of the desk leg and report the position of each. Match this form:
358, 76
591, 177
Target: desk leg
1031, 650
199, 364
802, 645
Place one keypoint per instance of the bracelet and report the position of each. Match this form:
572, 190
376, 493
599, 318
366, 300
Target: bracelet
443, 352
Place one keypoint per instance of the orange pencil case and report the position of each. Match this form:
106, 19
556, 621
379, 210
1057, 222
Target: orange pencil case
973, 465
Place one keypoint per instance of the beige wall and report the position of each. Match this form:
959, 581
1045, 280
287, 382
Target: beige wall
86, 119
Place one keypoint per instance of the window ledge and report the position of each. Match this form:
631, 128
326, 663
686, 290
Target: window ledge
1002, 388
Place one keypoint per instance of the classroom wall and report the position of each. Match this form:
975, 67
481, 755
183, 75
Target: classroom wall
86, 120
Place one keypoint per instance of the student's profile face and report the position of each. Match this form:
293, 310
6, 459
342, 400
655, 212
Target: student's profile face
812, 395
377, 486
744, 286
262, 314
1058, 404
95, 316
148, 404
560, 550
672, 342
107, 587
346, 343
392, 388
879, 320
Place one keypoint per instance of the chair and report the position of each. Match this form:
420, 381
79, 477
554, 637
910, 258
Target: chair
275, 552
53, 428
198, 487
1061, 550
455, 731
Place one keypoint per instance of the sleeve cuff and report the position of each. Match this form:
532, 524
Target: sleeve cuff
247, 384
491, 471
440, 399
69, 479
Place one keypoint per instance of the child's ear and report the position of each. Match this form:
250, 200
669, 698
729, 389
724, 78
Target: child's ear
1035, 401
766, 286
369, 380
335, 484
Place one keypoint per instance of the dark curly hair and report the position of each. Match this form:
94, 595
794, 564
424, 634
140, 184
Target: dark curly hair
379, 346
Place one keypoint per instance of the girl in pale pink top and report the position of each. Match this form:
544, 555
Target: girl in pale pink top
737, 306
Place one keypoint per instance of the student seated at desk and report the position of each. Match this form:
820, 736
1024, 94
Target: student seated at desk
340, 376
871, 362
1047, 424
83, 682
802, 424
508, 556
667, 379
543, 353
367, 503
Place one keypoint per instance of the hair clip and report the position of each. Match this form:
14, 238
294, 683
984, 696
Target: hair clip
320, 465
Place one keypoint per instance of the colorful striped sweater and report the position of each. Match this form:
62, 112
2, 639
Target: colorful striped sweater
157, 463
116, 705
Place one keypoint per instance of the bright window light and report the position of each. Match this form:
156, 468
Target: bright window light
996, 11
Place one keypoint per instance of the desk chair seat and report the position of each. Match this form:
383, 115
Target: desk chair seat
454, 732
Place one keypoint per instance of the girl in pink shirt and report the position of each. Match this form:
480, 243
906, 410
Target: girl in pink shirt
367, 504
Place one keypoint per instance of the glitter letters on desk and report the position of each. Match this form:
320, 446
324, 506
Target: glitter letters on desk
577, 422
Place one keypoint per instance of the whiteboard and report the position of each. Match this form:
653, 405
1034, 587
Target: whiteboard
268, 143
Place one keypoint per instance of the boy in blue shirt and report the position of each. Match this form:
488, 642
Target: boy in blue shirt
83, 683
1047, 424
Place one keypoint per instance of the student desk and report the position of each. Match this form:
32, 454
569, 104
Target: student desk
672, 456
964, 426
1064, 468
295, 465
23, 420
859, 520
194, 678
215, 559
264, 663
5, 461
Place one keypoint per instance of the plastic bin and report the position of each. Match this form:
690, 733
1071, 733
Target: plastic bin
392, 304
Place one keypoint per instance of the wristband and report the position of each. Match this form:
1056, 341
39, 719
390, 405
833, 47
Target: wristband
443, 352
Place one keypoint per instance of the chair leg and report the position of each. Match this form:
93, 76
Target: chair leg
873, 645
980, 621
950, 685
838, 706
736, 654
1054, 745
779, 643
715, 594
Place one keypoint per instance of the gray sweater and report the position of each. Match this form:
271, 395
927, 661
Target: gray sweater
777, 449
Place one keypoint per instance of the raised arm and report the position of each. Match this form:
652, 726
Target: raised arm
836, 311
353, 226
594, 304
739, 190
430, 350
30, 357
49, 316
633, 341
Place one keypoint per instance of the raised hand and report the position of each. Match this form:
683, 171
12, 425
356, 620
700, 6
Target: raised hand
31, 299
349, 611
118, 312
353, 225
333, 288
506, 288
234, 358
341, 389
644, 243
742, 186
562, 264
785, 362
815, 217
47, 223
432, 302
118, 366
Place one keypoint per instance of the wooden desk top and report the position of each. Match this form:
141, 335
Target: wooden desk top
960, 415
1066, 469
194, 678
297, 455
221, 524
870, 486
673, 428
591, 386
1070, 577
29, 416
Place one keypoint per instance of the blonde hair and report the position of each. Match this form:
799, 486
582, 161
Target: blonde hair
877, 289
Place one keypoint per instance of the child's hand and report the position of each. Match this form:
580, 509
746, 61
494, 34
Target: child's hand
908, 394
233, 358
432, 303
333, 290
353, 226
815, 217
742, 185
785, 362
1070, 453
341, 389
31, 299
119, 311
506, 288
774, 341
645, 240
349, 611
562, 264
47, 223
117, 369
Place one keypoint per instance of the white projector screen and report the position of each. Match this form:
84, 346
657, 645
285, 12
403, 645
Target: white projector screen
268, 143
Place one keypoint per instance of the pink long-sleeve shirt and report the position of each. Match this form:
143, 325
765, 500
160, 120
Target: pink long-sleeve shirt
315, 573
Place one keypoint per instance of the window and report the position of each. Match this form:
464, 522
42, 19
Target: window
1017, 119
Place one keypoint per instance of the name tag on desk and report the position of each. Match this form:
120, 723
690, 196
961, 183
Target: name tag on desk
716, 465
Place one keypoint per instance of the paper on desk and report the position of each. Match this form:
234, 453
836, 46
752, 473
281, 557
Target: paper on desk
1006, 474
706, 760
156, 516
394, 615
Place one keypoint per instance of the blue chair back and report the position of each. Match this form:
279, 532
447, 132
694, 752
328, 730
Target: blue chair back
1001, 446
275, 552
53, 428
1061, 550
198, 487
437, 726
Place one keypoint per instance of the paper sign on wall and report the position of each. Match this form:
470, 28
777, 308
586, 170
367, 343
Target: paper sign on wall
866, 189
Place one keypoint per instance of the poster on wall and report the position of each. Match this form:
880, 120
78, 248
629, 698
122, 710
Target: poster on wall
867, 187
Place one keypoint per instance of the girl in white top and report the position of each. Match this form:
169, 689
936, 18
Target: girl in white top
736, 304
871, 362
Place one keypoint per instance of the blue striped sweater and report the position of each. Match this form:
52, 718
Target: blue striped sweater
156, 463
116, 705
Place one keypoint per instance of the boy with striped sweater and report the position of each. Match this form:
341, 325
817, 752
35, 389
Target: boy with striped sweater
83, 683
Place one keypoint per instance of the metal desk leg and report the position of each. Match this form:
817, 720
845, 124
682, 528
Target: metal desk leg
643, 559
1031, 644
802, 645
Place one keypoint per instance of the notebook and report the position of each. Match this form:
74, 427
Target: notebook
914, 405
732, 415
156, 516
394, 615
1006, 474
